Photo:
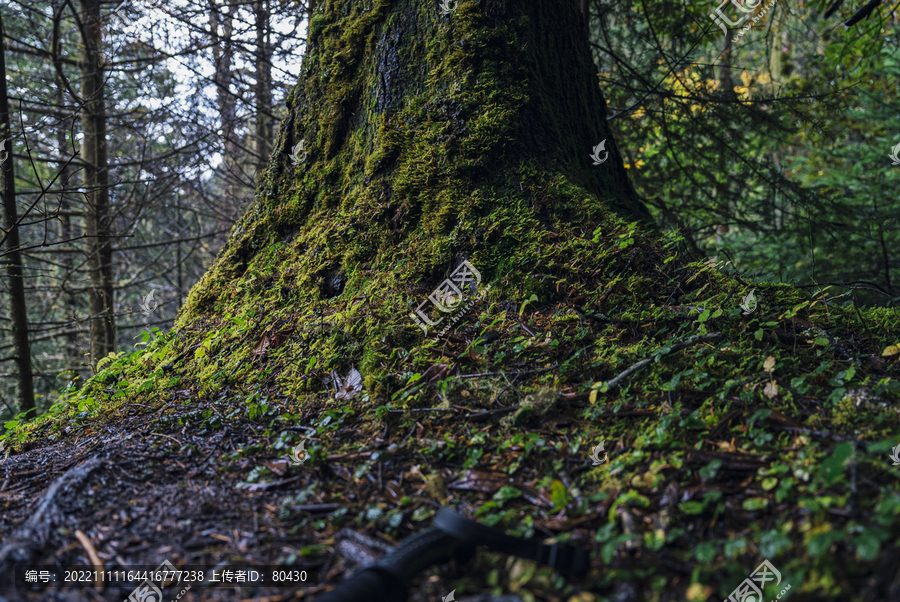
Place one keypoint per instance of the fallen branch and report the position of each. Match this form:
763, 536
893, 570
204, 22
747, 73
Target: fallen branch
35, 531
502, 373
862, 13
479, 416
267, 486
871, 286
689, 342
824, 434
91, 551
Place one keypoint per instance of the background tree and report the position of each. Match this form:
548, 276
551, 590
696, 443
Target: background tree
11, 252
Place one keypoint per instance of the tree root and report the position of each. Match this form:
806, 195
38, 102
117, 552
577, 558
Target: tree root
19, 548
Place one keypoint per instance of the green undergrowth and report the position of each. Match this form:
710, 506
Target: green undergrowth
411, 171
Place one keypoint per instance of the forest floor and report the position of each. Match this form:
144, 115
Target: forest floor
729, 440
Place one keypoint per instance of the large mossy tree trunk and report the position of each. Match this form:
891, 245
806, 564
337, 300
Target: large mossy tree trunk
430, 139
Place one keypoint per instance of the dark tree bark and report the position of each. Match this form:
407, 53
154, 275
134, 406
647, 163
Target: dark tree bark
96, 183
11, 255
223, 56
67, 260
524, 100
263, 89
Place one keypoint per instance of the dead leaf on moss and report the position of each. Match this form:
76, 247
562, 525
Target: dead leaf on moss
771, 390
769, 364
434, 373
350, 387
890, 350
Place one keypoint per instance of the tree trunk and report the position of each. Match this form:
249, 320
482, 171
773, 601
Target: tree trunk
11, 256
427, 140
222, 59
263, 90
96, 180
72, 360
234, 168
726, 83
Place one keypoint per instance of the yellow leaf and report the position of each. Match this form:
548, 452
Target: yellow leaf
769, 364
593, 397
698, 593
891, 350
771, 390
725, 446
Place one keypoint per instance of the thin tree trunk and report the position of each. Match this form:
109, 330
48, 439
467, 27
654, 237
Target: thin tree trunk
13, 258
96, 179
263, 90
223, 57
65, 232
726, 83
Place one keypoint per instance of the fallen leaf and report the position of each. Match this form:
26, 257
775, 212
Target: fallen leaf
890, 350
395, 493
434, 373
538, 498
351, 387
342, 471
481, 480
261, 347
726, 446
434, 484
566, 524
277, 466
771, 390
780, 419
769, 364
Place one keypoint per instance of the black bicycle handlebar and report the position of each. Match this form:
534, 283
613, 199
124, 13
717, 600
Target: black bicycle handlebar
452, 537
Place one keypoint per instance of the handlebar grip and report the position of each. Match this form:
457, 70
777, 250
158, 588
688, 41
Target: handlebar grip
387, 581
367, 585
